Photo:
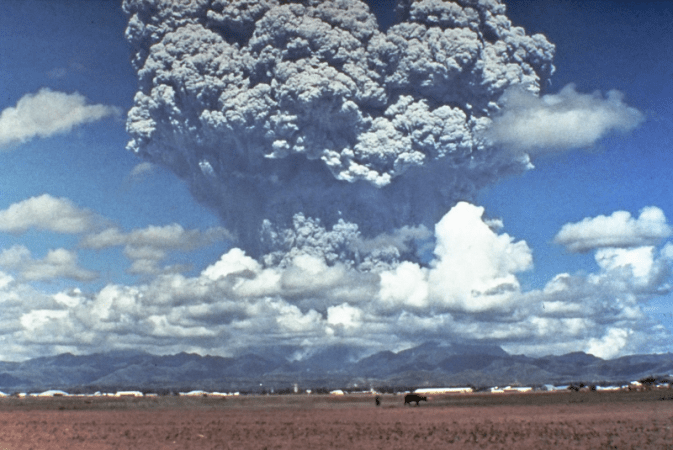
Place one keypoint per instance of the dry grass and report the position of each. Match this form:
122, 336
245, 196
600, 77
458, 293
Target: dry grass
521, 421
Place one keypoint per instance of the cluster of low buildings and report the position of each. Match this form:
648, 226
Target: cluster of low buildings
208, 394
59, 393
422, 391
632, 386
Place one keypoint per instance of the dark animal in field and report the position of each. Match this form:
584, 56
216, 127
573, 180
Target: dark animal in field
378, 401
414, 398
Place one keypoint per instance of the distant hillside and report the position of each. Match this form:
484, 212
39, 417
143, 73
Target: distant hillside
429, 364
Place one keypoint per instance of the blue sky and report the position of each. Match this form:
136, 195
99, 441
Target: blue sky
79, 46
599, 46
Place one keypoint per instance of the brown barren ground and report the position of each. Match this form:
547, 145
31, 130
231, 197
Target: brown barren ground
626, 420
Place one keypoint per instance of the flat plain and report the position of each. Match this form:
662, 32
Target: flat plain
575, 420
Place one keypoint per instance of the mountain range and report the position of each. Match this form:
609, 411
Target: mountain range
429, 364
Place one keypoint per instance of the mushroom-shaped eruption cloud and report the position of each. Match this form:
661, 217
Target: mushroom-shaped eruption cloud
278, 112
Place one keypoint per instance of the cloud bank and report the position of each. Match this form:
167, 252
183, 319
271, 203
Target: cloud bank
469, 290
47, 113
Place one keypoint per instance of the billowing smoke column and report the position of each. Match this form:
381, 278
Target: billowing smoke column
293, 115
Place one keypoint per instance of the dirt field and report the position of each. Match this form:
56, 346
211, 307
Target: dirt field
511, 421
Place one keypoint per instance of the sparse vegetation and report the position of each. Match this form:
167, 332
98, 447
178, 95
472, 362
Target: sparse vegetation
476, 421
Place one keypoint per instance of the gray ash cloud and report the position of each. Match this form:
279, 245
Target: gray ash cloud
271, 109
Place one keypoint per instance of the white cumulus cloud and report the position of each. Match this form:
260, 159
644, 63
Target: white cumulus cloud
147, 247
46, 113
474, 267
469, 290
47, 213
560, 121
58, 263
609, 345
617, 230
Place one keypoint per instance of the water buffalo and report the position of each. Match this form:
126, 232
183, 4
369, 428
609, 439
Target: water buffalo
414, 398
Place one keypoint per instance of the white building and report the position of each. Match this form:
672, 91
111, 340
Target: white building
608, 388
197, 393
511, 389
444, 390
128, 394
51, 393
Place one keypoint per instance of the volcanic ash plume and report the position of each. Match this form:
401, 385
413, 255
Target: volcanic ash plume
280, 113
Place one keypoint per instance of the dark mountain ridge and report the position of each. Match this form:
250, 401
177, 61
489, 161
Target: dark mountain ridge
429, 364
